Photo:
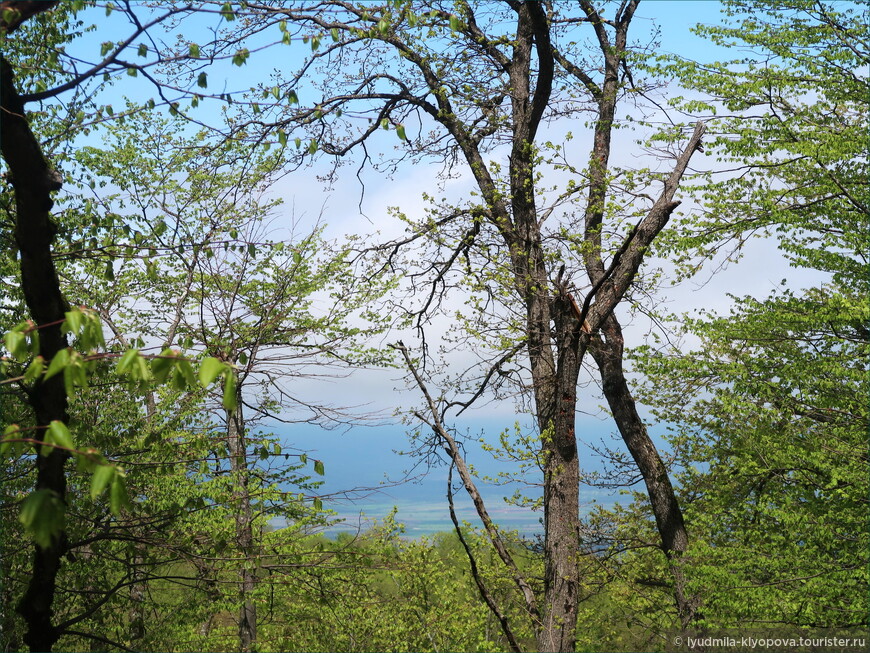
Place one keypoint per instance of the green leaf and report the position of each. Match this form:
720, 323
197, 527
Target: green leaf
102, 476
126, 361
318, 467
61, 435
106, 47
183, 377
34, 370
209, 370
91, 336
118, 495
140, 371
143, 50
58, 363
72, 322
230, 398
34, 342
16, 344
193, 50
202, 80
74, 374
241, 57
161, 365
12, 431
227, 12
318, 504
312, 146
43, 516
10, 16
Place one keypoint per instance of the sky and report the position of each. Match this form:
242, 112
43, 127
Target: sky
365, 456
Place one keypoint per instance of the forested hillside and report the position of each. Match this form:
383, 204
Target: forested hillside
178, 297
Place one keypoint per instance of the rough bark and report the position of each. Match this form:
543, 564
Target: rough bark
554, 366
557, 333
33, 181
608, 350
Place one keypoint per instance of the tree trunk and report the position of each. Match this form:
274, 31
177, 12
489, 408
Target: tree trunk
561, 487
33, 182
554, 365
136, 613
556, 334
607, 352
237, 446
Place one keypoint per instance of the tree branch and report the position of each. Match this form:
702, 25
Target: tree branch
475, 573
15, 12
112, 58
452, 449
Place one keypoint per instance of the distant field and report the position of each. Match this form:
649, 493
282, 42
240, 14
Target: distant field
426, 515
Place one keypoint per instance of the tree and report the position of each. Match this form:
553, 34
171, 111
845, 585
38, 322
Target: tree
34, 181
547, 269
770, 412
41, 362
277, 312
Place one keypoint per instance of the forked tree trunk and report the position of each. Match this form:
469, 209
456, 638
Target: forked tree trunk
557, 331
554, 365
